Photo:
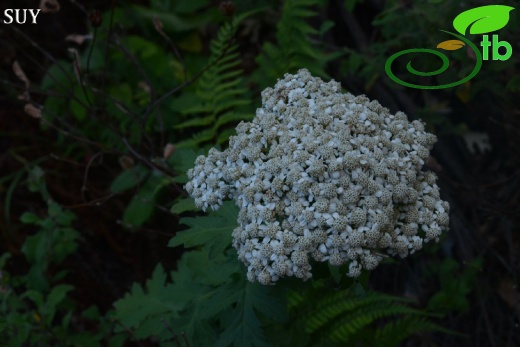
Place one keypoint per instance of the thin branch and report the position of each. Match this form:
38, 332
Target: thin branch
85, 175
110, 27
93, 202
163, 170
51, 58
130, 333
159, 27
192, 80
91, 49
175, 337
67, 133
144, 75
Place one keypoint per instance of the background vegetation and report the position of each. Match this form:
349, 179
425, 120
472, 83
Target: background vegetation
106, 104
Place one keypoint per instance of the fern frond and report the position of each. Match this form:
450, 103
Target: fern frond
344, 302
294, 298
220, 92
374, 318
293, 49
351, 324
399, 330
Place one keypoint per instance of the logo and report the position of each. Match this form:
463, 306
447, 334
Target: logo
479, 20
20, 16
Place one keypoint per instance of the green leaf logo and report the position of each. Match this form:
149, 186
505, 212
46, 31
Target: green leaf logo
482, 20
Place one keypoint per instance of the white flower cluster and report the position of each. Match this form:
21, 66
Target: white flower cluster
323, 175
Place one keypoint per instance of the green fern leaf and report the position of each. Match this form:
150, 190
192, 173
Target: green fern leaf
344, 329
293, 49
344, 317
339, 303
198, 121
198, 138
219, 90
232, 117
294, 298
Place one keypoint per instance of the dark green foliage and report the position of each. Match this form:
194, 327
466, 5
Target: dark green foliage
243, 321
209, 302
344, 316
53, 241
400, 329
143, 203
220, 93
455, 285
35, 309
294, 48
214, 233
142, 305
129, 179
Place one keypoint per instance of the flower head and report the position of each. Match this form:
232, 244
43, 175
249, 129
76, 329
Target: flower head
324, 175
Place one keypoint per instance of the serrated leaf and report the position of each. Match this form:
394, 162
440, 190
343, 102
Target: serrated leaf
152, 302
483, 19
203, 301
244, 327
214, 230
216, 271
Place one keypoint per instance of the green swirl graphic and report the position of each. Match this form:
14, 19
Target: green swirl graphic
444, 67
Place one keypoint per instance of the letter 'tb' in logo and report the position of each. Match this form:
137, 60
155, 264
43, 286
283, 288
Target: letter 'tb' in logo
480, 20
496, 45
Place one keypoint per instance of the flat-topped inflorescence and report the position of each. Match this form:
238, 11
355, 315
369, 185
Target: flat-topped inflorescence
324, 175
